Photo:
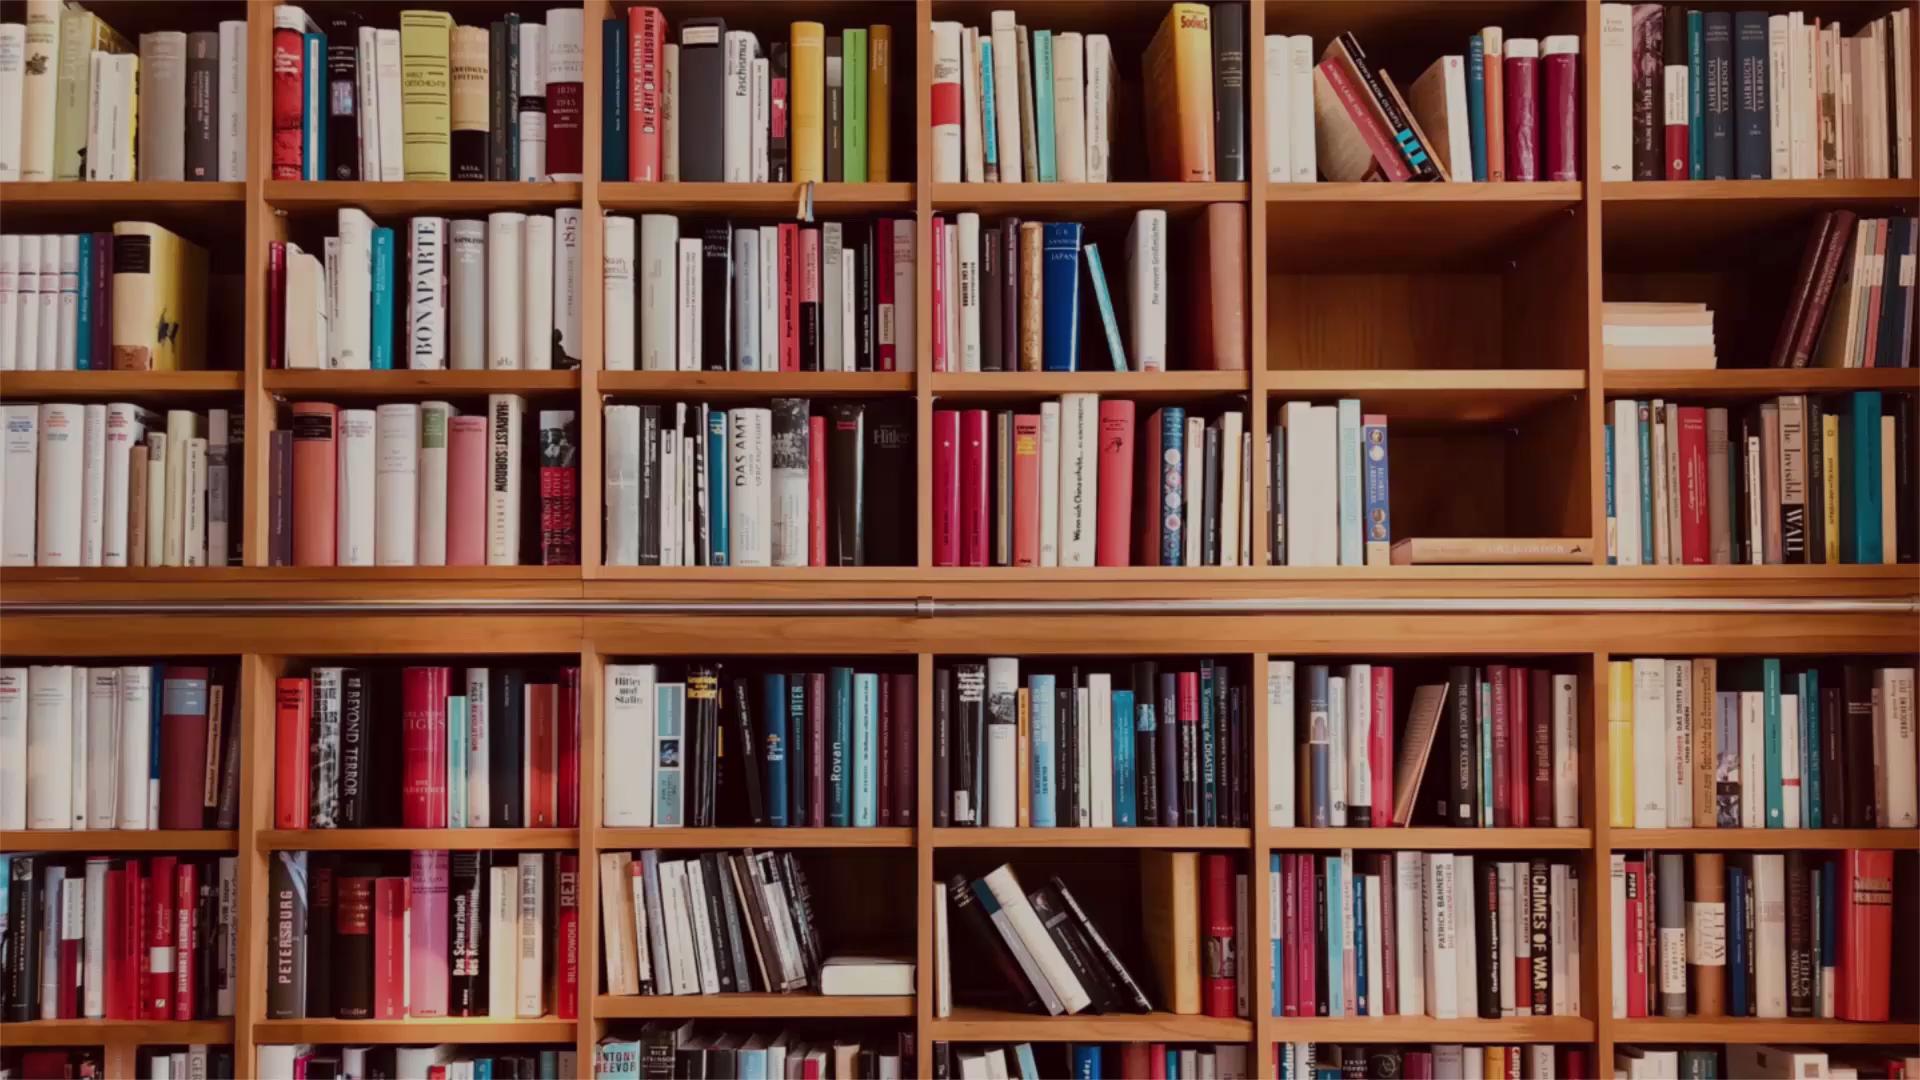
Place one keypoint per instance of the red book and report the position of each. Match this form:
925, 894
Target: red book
559, 496
276, 304
1157, 1062
806, 277
939, 312
1290, 945
816, 491
1389, 994
817, 749
646, 52
1360, 111
946, 487
115, 948
1696, 539
157, 1000
1308, 886
390, 905
1636, 940
885, 355
1502, 752
1540, 721
1149, 550
183, 748
1519, 745
186, 897
1866, 935
566, 967
423, 748
543, 701
1112, 529
139, 955
466, 491
789, 233
883, 781
1026, 489
1380, 748
314, 482
1521, 79
1133, 1060
973, 487
906, 709
1560, 108
566, 808
288, 53
69, 931
292, 784
1216, 914
45, 1064
564, 120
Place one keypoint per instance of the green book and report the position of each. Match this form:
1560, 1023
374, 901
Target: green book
1863, 452
853, 124
1770, 689
1046, 165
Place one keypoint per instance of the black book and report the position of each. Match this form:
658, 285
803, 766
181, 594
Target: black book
864, 303
1486, 909
206, 942
798, 747
321, 921
286, 936
733, 909
1739, 527
970, 681
805, 925
703, 738
23, 951
343, 126
846, 460
716, 299
1462, 745
506, 709
1229, 92
1190, 780
1170, 776
1833, 758
942, 736
1210, 498
836, 150
1857, 740
887, 476
749, 752
352, 942
809, 310
781, 122
355, 699
986, 941
1213, 716
1146, 744
990, 300
1717, 38
1088, 969
1320, 934
1127, 991
1234, 803
690, 1063
649, 485
501, 97
763, 963
1066, 760
703, 98
512, 89
466, 959
280, 498
716, 916
1802, 964
659, 1045
203, 108
1000, 517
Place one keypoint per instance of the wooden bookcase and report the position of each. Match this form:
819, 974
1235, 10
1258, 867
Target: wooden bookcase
1470, 314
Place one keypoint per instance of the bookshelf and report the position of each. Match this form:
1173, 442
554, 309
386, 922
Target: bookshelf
1492, 361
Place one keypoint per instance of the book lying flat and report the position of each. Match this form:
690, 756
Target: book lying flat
1443, 551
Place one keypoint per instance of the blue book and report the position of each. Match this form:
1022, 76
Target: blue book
1752, 122
797, 806
1044, 164
1726, 759
1864, 470
773, 720
1829, 903
1060, 288
751, 1064
839, 744
457, 762
313, 110
1209, 748
1097, 273
1123, 782
1477, 105
1696, 97
717, 487
1276, 943
381, 352
1377, 523
1352, 549
1613, 521
1086, 1056
1336, 935
1319, 744
1770, 691
1811, 804
1040, 720
1173, 1065
1173, 504
1646, 484
83, 309
1023, 1052
866, 745
1739, 923
989, 137
670, 719
613, 99
483, 1067
1359, 902
1718, 94
550, 1066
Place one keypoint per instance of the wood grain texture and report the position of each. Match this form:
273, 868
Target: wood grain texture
129, 840
1751, 1030
459, 1030
417, 839
104, 1032
750, 1006
1157, 837
622, 839
994, 1025
1765, 839
116, 385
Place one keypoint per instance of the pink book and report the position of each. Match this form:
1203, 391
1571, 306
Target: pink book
1115, 502
427, 935
1560, 107
816, 491
939, 314
973, 488
1380, 748
946, 487
1522, 80
391, 899
467, 492
423, 747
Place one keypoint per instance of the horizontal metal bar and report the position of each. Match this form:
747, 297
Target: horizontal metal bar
927, 607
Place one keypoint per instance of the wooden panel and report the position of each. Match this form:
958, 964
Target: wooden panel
1396, 321
400, 198
415, 839
116, 385
1430, 839
994, 1025
1176, 838
120, 840
751, 1006
1751, 1030
1720, 384
610, 839
1765, 839
460, 1030
100, 1032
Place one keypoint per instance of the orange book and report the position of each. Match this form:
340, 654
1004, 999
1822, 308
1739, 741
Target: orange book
314, 480
1495, 102
1177, 74
1115, 498
1218, 280
1026, 490
1866, 936
542, 760
879, 102
1709, 894
292, 707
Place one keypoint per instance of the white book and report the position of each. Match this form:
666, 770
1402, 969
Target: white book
1780, 96
1231, 425
737, 107
506, 416
628, 745
352, 327
954, 141
503, 942
768, 295
1438, 931
93, 978
1278, 89
1069, 108
617, 263
533, 936
158, 448
93, 470
77, 744
13, 71
1566, 751
1466, 933
38, 91
1651, 742
1803, 125
1626, 478
427, 296
762, 118
1313, 537
330, 259
49, 335
1359, 724
396, 491
26, 301
536, 294
1100, 102
1770, 936
386, 63
1790, 796
1753, 729
1376, 965
221, 506
68, 302
20, 477
1409, 875
904, 341
622, 485
681, 958
533, 85
967, 233
467, 296
102, 687
745, 304
669, 498
832, 328
1046, 955
567, 347
50, 747
850, 339
1508, 901
1079, 477
308, 305
670, 115
1616, 92
506, 241
1050, 457
1280, 714
1099, 690
136, 701
750, 494
1894, 716
1304, 151
1003, 743
1558, 940
705, 934
356, 493
942, 957
479, 786
9, 281
688, 305
63, 433
13, 748
659, 275
193, 545
1680, 721
648, 968
1006, 95
789, 449
1083, 764
430, 513
367, 103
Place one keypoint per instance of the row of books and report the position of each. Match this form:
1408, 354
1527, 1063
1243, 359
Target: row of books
1708, 743
1025, 1061
501, 294
758, 748
438, 933
1657, 336
120, 939
798, 483
1062, 486
1007, 295
445, 1061
1042, 949
361, 747
836, 296
1767, 935
1332, 1061
156, 1063
133, 299
666, 1049
1108, 749
1802, 478
421, 485
116, 485
1744, 1060
1853, 300
815, 107
1328, 490
1423, 934
1011, 104
133, 747
1687, 94
76, 93
1510, 746
428, 101
1508, 110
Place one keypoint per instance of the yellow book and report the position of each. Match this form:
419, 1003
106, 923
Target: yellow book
879, 95
1178, 79
426, 108
1830, 483
1024, 713
82, 33
1494, 1063
1170, 921
1620, 743
159, 299
807, 110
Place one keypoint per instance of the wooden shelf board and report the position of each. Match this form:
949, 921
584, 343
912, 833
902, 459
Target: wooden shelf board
1700, 1029
770, 575
418, 839
1148, 385
1759, 382
447, 575
969, 1024
1395, 228
1419, 1029
772, 200
1552, 192
620, 839
380, 198
1177, 838
54, 840
117, 385
1430, 838
453, 1029
1764, 839
1724, 192
1458, 395
748, 1006
111, 194
1082, 200
404, 384
101, 1032
749, 385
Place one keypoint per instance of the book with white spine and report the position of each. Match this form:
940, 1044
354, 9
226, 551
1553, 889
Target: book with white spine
1231, 463
9, 292
430, 515
622, 485
427, 296
68, 303
136, 700
93, 978
1040, 945
503, 942
1679, 733
62, 453
566, 349
1770, 936
789, 449
1050, 437
1650, 744
93, 477
1439, 933
670, 114
1278, 91
1069, 108
49, 335
1409, 877
1100, 108
1616, 91
103, 745
26, 305
352, 329
687, 309
506, 417
1006, 94
1002, 751
967, 236
1099, 691
355, 489
387, 76
19, 485
658, 270
536, 294
769, 298
750, 495
193, 518
533, 101
467, 295
1895, 798
1280, 718
953, 141
532, 934
13, 748
1566, 751
367, 102
629, 756
617, 282
1147, 290
849, 300
506, 240
330, 261
49, 747
396, 484
13, 71
1303, 150
832, 252
1079, 476
159, 448
308, 305
739, 48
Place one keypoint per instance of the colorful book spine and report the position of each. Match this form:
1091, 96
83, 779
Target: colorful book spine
313, 114
1775, 793
1124, 808
1696, 96
1060, 290
774, 705
1352, 549
839, 745
381, 350
1046, 165
1043, 738
1477, 105
1376, 523
1864, 494
1173, 504
866, 743
717, 488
